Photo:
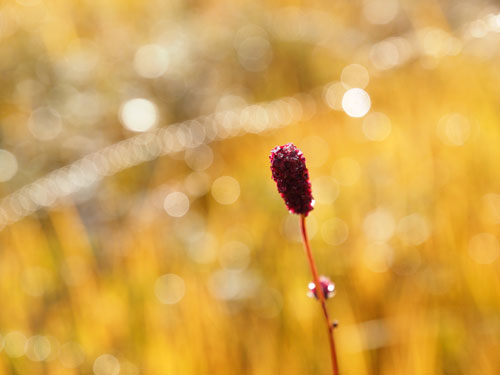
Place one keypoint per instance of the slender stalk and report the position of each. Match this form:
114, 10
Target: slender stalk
319, 293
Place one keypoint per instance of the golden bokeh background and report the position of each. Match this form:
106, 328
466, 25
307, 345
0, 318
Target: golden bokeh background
141, 230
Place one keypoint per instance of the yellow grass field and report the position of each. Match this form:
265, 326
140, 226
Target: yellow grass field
142, 232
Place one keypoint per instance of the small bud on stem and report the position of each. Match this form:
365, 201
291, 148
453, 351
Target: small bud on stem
327, 287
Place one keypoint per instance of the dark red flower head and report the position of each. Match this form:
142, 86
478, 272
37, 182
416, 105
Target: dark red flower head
288, 166
327, 287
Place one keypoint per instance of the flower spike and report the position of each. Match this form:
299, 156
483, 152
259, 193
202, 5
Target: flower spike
289, 170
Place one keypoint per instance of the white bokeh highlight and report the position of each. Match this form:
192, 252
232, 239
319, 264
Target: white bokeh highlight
139, 115
356, 102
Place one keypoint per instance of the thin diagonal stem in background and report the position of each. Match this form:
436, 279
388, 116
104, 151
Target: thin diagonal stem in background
319, 293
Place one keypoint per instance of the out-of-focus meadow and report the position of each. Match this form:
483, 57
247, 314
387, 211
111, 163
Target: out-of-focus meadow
142, 233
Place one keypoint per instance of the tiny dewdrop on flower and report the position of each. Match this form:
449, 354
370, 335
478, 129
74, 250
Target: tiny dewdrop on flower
289, 171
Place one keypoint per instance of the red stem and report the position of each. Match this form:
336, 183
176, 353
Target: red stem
319, 293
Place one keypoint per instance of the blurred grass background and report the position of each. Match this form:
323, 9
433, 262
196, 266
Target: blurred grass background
168, 256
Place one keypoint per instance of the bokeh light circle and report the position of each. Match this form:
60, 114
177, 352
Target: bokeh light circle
139, 115
380, 12
15, 344
38, 348
355, 75
454, 129
484, 248
325, 189
176, 204
376, 126
170, 289
333, 94
106, 364
199, 158
8, 165
234, 255
71, 355
45, 123
225, 190
151, 61
413, 230
379, 225
356, 102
